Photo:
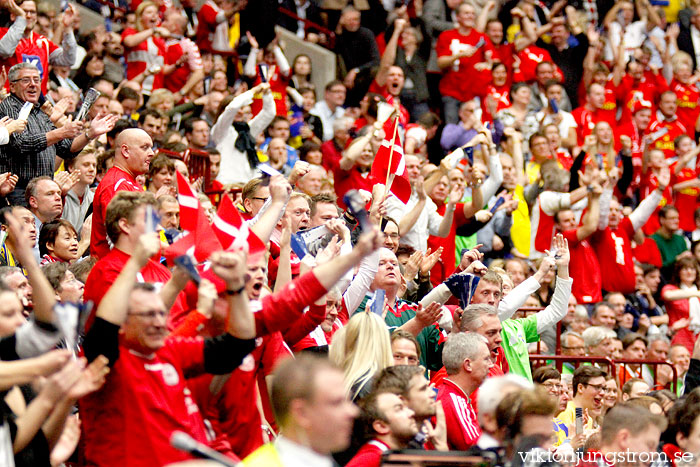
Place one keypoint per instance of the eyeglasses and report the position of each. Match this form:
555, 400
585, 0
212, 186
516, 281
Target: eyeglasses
27, 80
553, 387
150, 314
597, 387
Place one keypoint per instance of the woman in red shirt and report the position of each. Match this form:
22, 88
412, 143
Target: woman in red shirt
682, 299
497, 93
144, 49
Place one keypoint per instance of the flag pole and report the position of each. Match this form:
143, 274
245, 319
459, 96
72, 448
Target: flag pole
389, 175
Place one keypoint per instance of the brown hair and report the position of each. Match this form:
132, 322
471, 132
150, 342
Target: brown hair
123, 206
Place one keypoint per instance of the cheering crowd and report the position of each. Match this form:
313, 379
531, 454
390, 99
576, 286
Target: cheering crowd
483, 236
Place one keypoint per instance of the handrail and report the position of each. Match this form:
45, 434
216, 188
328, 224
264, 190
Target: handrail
612, 365
309, 25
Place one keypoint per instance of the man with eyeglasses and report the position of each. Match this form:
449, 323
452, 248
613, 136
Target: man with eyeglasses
146, 397
589, 388
21, 44
33, 152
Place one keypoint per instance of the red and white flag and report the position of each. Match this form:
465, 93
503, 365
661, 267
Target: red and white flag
232, 232
392, 163
200, 243
189, 204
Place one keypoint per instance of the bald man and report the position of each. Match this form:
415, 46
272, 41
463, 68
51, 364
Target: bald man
133, 151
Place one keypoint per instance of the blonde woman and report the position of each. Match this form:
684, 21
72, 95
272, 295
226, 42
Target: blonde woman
361, 349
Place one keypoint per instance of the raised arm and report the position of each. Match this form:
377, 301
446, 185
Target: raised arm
556, 310
389, 56
590, 220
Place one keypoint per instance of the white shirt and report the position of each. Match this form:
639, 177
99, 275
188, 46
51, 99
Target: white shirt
567, 122
327, 116
295, 455
695, 37
428, 222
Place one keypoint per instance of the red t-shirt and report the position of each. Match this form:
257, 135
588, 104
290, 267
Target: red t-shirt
635, 134
686, 200
648, 252
530, 57
504, 53
174, 50
586, 121
116, 179
353, 179
648, 184
142, 56
369, 455
666, 142
649, 88
614, 249
463, 428
500, 95
585, 269
233, 411
35, 49
688, 109
206, 25
106, 271
461, 81
145, 399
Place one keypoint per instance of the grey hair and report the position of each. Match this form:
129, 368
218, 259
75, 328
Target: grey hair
565, 337
342, 123
471, 318
461, 346
658, 337
492, 392
597, 334
14, 71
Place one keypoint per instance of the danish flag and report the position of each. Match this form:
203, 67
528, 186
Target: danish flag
390, 164
232, 232
189, 204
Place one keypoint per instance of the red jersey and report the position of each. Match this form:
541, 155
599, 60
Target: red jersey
206, 25
586, 121
353, 179
500, 95
614, 250
648, 184
106, 271
688, 110
129, 420
648, 252
530, 57
175, 49
278, 88
145, 55
666, 142
635, 135
460, 81
686, 200
499, 368
585, 269
116, 179
504, 53
369, 455
649, 88
35, 49
463, 428
233, 411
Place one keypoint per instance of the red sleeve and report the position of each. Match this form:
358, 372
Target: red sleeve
190, 326
304, 325
52, 47
208, 14
189, 352
455, 433
571, 237
281, 309
275, 351
627, 227
442, 46
128, 32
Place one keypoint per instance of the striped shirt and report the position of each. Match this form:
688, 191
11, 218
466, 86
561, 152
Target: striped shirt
463, 429
27, 154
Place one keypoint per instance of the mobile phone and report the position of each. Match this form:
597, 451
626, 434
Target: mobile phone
263, 70
579, 420
480, 43
497, 204
553, 105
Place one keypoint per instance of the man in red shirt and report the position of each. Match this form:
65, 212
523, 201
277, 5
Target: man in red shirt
613, 240
458, 50
22, 44
637, 85
124, 221
389, 421
585, 269
390, 79
467, 360
666, 121
592, 112
148, 368
132, 155
181, 51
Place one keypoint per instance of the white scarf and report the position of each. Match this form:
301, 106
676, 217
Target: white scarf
693, 309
